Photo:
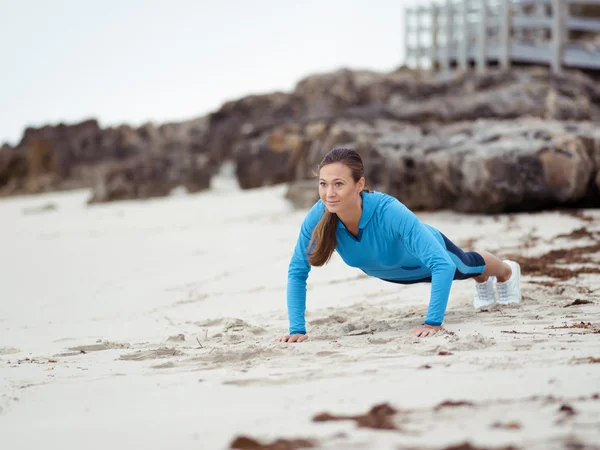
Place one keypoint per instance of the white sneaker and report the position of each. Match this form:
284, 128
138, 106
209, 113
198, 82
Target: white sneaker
484, 293
509, 292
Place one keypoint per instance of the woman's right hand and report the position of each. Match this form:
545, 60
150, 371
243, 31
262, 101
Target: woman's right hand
293, 338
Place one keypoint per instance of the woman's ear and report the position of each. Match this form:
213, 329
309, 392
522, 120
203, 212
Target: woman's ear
361, 184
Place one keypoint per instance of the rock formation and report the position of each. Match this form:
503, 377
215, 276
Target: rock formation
502, 141
482, 166
120, 163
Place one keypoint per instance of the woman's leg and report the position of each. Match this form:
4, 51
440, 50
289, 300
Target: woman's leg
494, 267
502, 275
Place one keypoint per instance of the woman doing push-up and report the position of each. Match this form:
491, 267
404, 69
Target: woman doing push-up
376, 233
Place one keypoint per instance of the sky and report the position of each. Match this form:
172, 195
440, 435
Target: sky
134, 61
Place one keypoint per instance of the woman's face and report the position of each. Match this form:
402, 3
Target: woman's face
337, 189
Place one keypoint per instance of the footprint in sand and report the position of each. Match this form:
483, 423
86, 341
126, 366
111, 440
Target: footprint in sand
167, 365
233, 325
99, 346
471, 342
151, 354
210, 322
247, 354
333, 319
327, 353
379, 341
106, 345
257, 382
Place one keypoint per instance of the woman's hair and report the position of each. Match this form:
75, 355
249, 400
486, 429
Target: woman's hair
324, 234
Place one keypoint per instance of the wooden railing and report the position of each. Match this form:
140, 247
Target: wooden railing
449, 33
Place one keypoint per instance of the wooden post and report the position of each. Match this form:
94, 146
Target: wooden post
559, 20
434, 48
447, 36
482, 40
519, 32
505, 27
418, 33
463, 57
407, 47
539, 36
450, 47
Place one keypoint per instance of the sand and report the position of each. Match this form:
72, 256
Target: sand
153, 324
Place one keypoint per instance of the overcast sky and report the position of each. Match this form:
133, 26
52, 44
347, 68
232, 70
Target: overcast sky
132, 61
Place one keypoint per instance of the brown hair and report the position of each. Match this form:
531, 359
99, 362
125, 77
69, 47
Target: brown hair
324, 234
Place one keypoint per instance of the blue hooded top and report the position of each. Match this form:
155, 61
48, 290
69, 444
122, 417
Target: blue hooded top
392, 244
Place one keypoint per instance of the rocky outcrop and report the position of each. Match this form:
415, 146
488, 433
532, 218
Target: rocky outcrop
146, 177
119, 163
13, 168
424, 140
482, 143
485, 166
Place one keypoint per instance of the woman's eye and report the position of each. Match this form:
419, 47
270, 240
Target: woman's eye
338, 184
321, 184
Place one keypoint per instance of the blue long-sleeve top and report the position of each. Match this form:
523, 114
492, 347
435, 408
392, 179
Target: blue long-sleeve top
392, 244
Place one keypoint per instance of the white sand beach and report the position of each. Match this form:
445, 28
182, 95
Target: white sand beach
153, 324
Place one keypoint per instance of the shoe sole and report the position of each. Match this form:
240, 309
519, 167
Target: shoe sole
518, 287
484, 306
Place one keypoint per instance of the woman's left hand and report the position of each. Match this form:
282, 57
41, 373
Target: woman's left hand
425, 331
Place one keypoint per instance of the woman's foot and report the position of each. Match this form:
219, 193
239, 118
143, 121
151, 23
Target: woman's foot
485, 295
509, 292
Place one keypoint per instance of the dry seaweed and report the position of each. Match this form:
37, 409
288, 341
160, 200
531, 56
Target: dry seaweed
507, 425
379, 417
246, 443
579, 233
545, 265
589, 360
579, 302
452, 404
577, 213
585, 325
469, 446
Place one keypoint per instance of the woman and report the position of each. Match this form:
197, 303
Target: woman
376, 233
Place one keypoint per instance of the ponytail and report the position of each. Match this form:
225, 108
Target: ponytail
324, 235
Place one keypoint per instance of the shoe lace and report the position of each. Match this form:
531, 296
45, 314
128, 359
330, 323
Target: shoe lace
503, 292
482, 291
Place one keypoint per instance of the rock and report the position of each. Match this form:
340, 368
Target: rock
520, 165
561, 107
291, 152
303, 194
13, 170
269, 159
74, 156
145, 177
248, 117
525, 96
326, 95
482, 167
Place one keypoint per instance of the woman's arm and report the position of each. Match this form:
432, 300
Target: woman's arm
419, 240
298, 271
